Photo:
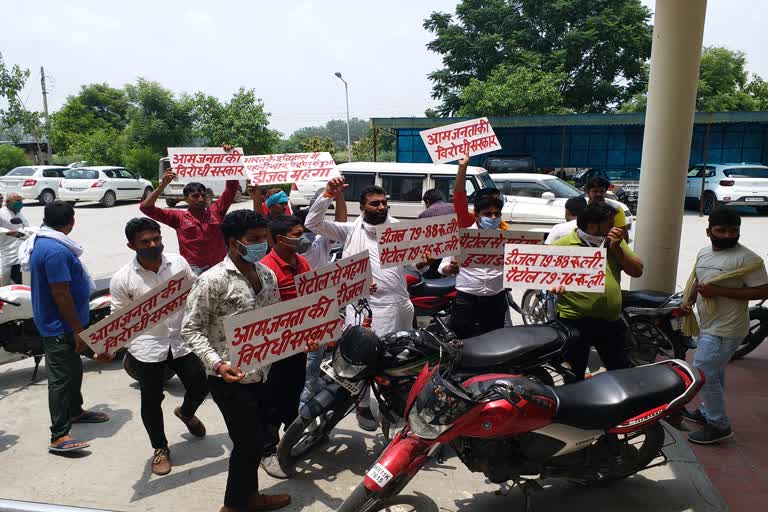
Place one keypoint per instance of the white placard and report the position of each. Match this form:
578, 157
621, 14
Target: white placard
269, 334
484, 248
289, 167
540, 267
453, 141
403, 243
351, 277
207, 164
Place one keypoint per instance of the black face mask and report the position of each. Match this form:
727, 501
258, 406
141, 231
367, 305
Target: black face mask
150, 253
377, 217
724, 243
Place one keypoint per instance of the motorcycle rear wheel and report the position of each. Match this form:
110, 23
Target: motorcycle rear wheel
758, 331
649, 344
633, 458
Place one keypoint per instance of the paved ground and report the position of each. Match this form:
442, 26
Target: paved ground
116, 475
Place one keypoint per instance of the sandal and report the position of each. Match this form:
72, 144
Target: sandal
71, 445
90, 417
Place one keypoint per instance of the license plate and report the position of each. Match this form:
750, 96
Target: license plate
353, 387
380, 475
75, 189
755, 199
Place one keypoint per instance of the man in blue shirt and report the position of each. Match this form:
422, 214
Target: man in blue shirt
61, 289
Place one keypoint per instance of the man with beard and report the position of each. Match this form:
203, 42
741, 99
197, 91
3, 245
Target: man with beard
391, 304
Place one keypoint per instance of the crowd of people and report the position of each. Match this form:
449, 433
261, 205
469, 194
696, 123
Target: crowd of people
248, 259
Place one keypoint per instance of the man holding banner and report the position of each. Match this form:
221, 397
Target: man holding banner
597, 316
237, 285
162, 346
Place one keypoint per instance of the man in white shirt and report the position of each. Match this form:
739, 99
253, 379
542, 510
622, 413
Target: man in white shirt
11, 219
161, 347
573, 207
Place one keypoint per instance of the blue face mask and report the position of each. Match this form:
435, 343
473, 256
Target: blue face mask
488, 223
253, 253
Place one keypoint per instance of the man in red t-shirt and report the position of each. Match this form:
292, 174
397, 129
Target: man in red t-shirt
286, 378
460, 201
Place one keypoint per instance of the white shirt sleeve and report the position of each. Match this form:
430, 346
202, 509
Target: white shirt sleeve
119, 291
444, 264
316, 222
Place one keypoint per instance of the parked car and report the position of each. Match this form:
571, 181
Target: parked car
729, 184
303, 194
38, 182
625, 183
540, 198
107, 185
173, 193
510, 163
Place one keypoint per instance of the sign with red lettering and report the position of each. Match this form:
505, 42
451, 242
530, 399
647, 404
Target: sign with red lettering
350, 276
453, 141
207, 164
403, 243
540, 267
269, 334
484, 248
139, 316
289, 168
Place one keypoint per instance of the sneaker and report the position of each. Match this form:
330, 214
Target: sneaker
365, 419
161, 462
710, 434
271, 465
695, 416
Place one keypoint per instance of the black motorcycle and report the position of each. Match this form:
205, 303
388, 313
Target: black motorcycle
758, 330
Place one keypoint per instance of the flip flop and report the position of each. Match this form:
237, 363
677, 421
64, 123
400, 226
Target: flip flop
66, 446
91, 417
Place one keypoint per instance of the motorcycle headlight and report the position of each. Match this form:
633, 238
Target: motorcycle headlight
437, 406
344, 368
423, 429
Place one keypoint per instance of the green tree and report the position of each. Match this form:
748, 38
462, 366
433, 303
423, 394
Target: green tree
11, 157
143, 161
317, 144
100, 147
336, 129
15, 117
512, 91
157, 119
600, 46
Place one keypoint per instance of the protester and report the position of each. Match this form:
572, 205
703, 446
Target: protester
197, 228
61, 289
597, 316
160, 348
435, 204
725, 278
288, 374
573, 207
481, 301
279, 205
236, 285
390, 305
460, 201
11, 219
596, 189
319, 253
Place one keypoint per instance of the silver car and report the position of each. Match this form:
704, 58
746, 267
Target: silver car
39, 182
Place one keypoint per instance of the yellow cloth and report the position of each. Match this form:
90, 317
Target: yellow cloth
690, 325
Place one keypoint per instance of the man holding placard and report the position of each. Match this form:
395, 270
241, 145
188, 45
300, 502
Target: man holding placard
162, 346
597, 316
237, 285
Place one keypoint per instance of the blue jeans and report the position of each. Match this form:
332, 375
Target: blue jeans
312, 382
712, 357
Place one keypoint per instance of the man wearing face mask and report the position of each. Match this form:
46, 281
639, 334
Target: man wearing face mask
238, 284
725, 278
287, 375
11, 219
597, 316
481, 301
162, 346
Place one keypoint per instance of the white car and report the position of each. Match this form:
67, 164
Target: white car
540, 198
304, 194
38, 182
106, 185
729, 184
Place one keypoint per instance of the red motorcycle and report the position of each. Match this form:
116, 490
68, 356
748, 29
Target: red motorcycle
517, 430
432, 298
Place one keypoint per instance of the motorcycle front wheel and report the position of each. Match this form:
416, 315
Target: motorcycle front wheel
363, 499
758, 331
534, 307
648, 344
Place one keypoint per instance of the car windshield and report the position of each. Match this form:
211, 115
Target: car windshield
22, 171
623, 174
485, 180
746, 172
563, 189
81, 174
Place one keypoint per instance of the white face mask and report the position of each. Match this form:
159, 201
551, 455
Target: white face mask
591, 240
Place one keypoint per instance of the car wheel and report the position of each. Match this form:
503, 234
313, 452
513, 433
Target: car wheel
171, 203
47, 197
146, 193
109, 199
710, 202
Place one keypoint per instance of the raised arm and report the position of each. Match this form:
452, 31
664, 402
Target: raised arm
316, 222
460, 201
340, 213
148, 208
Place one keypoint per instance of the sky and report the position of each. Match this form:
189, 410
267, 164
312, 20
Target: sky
286, 50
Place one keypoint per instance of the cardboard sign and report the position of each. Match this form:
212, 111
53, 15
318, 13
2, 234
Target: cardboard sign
484, 248
139, 316
453, 141
269, 334
541, 267
207, 164
289, 168
351, 277
403, 243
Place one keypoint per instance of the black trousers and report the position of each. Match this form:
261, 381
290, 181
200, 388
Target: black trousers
608, 338
285, 384
192, 374
65, 378
243, 409
474, 315
16, 273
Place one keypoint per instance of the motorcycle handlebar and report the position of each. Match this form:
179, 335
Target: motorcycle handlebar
12, 303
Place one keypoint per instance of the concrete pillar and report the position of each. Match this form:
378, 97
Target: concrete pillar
677, 38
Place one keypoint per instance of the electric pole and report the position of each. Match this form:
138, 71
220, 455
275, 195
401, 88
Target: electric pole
45, 111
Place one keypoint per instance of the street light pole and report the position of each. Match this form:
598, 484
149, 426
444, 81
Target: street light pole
346, 93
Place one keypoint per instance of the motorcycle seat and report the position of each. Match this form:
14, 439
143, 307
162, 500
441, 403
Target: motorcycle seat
611, 398
102, 287
643, 298
433, 287
502, 345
